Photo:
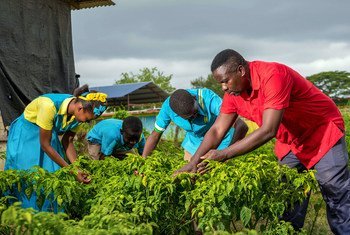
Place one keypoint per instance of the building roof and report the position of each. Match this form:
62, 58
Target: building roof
133, 93
81, 4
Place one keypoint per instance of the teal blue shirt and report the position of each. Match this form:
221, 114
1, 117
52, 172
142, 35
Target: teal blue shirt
107, 134
209, 109
58, 119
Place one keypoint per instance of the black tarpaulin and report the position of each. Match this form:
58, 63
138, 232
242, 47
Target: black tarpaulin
36, 52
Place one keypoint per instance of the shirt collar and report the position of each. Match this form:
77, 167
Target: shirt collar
254, 76
200, 110
64, 106
64, 112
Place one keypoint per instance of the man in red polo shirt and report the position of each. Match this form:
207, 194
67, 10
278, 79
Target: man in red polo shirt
307, 125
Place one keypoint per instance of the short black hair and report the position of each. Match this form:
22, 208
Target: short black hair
132, 125
227, 56
182, 102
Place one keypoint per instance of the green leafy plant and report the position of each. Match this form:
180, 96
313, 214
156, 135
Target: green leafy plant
140, 196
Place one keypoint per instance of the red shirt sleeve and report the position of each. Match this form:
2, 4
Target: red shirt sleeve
228, 105
277, 91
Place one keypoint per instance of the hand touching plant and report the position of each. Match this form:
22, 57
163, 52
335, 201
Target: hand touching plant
83, 177
216, 155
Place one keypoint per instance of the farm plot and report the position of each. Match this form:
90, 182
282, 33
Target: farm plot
140, 196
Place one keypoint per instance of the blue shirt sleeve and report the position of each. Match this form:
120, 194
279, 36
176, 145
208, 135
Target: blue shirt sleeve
163, 119
212, 101
108, 143
141, 144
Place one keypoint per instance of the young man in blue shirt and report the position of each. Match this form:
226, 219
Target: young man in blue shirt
115, 137
195, 111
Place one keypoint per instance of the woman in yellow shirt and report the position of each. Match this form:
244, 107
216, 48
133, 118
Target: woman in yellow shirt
33, 137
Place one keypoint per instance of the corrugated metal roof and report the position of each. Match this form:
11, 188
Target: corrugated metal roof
81, 4
133, 93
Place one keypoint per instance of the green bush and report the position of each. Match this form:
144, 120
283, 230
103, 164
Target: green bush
140, 196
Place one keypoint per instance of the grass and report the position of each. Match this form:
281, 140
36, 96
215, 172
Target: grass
318, 217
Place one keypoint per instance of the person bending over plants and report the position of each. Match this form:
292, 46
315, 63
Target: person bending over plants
33, 137
308, 127
195, 111
115, 137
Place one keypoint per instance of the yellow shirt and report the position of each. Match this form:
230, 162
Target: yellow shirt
42, 111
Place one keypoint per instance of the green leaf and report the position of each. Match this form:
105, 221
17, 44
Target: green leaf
59, 200
27, 216
28, 192
245, 215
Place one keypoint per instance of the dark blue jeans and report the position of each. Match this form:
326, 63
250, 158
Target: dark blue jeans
334, 180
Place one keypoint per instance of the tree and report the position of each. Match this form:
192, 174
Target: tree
335, 84
209, 83
148, 75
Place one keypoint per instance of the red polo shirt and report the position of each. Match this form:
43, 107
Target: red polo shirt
311, 123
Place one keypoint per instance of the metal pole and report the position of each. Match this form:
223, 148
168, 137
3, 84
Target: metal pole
128, 103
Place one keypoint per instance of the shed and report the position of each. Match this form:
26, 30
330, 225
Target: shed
133, 93
81, 4
36, 51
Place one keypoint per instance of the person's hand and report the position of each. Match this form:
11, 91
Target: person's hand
83, 177
189, 167
216, 155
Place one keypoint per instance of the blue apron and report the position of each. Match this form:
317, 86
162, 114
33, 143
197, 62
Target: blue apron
24, 150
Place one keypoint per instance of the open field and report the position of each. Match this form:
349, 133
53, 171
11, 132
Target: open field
245, 195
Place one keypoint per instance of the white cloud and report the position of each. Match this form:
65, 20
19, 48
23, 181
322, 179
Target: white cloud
99, 72
307, 57
321, 65
182, 37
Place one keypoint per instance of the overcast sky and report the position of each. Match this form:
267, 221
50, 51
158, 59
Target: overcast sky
182, 37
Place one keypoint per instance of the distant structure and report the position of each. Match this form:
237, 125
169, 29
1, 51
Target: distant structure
138, 94
131, 94
81, 4
36, 52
